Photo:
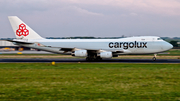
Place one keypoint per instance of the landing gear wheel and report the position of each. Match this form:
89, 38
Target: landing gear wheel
154, 58
87, 59
99, 59
93, 59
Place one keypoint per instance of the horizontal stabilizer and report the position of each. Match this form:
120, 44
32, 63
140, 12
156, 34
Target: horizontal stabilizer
19, 42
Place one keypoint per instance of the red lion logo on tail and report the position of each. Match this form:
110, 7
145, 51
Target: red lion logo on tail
22, 30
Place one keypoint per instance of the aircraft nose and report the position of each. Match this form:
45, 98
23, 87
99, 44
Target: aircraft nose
169, 46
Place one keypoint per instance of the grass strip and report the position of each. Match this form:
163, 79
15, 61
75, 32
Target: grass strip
89, 81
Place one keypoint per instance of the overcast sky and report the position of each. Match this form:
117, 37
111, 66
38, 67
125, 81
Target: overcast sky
99, 18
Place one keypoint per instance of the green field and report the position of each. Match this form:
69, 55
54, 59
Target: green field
172, 52
87, 81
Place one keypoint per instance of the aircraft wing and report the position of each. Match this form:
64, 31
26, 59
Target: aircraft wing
96, 51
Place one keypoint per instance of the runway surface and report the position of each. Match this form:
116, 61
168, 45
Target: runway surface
83, 61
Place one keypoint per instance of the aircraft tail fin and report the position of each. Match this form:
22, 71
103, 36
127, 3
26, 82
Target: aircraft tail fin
22, 30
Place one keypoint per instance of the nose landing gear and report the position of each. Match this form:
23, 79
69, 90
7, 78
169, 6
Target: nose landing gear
154, 58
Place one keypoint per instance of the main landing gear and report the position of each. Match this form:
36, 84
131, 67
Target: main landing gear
93, 58
154, 58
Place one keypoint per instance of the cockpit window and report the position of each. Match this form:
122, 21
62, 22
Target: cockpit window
159, 39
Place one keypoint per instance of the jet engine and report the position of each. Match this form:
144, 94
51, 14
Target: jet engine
105, 54
80, 53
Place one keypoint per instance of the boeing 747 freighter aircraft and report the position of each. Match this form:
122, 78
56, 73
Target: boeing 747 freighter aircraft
92, 49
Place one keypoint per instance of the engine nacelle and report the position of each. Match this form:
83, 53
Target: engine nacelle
105, 54
80, 53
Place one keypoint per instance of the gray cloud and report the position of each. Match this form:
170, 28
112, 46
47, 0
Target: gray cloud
94, 18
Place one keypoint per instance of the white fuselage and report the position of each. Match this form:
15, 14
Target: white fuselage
131, 45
